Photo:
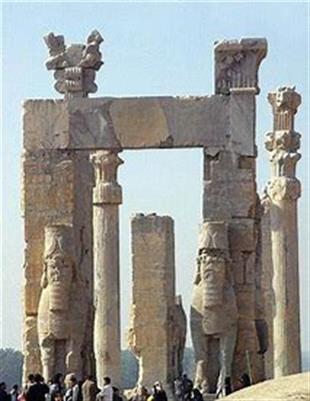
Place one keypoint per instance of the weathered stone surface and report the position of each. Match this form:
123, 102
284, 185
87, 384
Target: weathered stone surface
230, 195
31, 351
75, 65
266, 282
213, 310
56, 190
158, 324
242, 122
237, 63
107, 196
128, 123
283, 190
62, 307
288, 388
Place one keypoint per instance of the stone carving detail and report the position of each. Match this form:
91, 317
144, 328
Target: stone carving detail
107, 189
75, 65
214, 310
62, 307
236, 64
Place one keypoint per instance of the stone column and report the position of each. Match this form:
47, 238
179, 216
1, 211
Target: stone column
107, 196
284, 190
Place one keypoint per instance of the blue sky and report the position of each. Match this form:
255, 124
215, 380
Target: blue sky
149, 49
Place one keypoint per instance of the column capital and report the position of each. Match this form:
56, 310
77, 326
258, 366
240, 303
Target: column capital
106, 190
284, 188
237, 63
285, 102
283, 142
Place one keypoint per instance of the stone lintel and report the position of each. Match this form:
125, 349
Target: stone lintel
140, 123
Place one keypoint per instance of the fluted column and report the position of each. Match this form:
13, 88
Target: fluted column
284, 190
107, 196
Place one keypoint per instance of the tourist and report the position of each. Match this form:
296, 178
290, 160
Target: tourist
187, 385
56, 386
38, 390
58, 397
159, 392
30, 380
14, 393
4, 396
116, 394
141, 394
72, 388
196, 395
22, 395
89, 389
106, 394
178, 389
245, 380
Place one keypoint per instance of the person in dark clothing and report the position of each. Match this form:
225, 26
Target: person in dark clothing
30, 380
227, 386
38, 390
196, 395
187, 386
116, 394
14, 392
159, 392
245, 380
56, 386
4, 396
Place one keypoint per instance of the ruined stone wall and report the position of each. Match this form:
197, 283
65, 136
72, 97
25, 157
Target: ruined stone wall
158, 325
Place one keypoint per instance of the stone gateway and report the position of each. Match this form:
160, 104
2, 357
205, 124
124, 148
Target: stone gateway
240, 320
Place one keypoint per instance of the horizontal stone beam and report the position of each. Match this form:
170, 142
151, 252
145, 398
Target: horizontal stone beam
139, 123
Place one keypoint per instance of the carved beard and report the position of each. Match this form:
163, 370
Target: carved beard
59, 297
213, 277
59, 278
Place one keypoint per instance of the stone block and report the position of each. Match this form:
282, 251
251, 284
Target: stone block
128, 123
242, 123
242, 235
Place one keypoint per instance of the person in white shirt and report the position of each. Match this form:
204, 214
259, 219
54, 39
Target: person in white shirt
106, 394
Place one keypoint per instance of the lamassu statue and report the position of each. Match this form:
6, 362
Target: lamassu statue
62, 307
213, 310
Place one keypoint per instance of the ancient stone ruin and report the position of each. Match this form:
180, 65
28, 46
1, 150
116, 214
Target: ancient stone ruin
245, 309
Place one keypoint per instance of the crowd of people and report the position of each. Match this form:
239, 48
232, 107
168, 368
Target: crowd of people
70, 389
61, 389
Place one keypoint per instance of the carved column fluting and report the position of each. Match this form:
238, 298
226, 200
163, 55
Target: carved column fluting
284, 189
107, 196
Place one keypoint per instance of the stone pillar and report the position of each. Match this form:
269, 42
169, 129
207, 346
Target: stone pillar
284, 190
230, 187
55, 190
266, 281
158, 323
107, 196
